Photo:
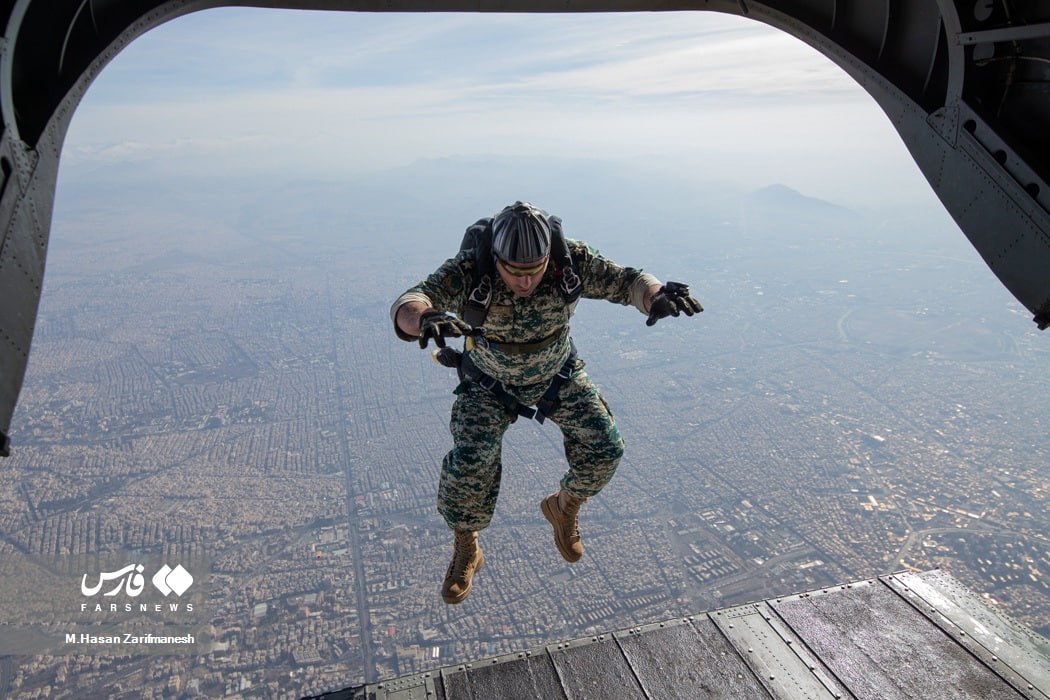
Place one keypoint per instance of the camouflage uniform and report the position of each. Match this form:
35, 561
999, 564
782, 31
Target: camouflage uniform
470, 472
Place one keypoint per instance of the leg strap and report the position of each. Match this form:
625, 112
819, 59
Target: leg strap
549, 402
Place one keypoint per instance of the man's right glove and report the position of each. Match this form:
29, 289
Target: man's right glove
440, 325
672, 299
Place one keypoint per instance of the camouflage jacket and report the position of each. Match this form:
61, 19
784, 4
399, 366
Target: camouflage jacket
514, 319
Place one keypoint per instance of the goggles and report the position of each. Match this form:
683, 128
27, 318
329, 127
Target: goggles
515, 271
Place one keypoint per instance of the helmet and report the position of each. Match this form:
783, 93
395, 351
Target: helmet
521, 234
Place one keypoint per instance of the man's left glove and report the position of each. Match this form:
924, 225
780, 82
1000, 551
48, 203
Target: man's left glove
440, 325
672, 299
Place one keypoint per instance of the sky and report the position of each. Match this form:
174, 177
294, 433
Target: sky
239, 91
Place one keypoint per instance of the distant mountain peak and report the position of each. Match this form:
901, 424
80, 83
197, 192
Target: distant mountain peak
777, 190
780, 196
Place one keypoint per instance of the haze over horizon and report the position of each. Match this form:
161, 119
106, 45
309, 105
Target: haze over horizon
234, 92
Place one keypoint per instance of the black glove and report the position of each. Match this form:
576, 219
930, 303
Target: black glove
440, 325
672, 299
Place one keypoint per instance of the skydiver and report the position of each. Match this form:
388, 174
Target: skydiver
518, 359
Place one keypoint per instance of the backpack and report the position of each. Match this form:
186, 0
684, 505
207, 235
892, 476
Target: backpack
478, 237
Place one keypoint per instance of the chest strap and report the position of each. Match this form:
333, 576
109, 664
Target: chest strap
547, 403
512, 348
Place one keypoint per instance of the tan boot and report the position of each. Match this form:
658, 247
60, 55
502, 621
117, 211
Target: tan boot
466, 562
561, 510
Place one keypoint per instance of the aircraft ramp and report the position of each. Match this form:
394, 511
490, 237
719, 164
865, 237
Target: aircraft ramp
900, 636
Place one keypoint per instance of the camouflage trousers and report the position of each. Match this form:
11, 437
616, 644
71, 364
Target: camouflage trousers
471, 471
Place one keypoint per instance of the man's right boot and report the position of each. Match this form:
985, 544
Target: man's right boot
466, 561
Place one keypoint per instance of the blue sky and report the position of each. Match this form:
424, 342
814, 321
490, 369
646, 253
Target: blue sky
237, 90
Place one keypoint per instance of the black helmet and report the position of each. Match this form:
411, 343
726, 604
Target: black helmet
521, 234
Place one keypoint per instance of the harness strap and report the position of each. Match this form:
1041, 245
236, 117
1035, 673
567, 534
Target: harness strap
550, 397
544, 406
512, 348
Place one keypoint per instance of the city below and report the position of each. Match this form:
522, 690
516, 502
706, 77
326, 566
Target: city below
845, 407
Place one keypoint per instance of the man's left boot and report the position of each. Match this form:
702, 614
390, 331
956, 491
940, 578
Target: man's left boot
561, 510
467, 561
